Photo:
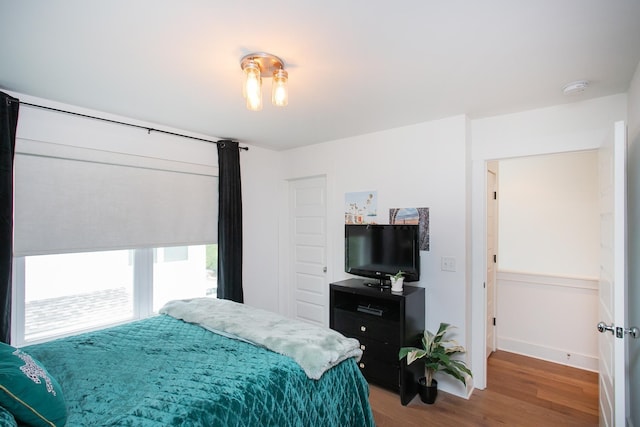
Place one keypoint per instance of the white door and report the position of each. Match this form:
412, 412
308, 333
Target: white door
633, 271
492, 233
611, 349
308, 231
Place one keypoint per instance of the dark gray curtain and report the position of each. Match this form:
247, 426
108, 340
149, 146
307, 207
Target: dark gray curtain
229, 222
8, 122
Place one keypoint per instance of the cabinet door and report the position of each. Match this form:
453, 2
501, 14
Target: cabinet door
379, 350
363, 325
381, 372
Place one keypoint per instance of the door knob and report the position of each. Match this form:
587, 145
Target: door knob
603, 327
633, 331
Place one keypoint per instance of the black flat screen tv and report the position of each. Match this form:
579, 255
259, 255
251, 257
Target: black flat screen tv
376, 251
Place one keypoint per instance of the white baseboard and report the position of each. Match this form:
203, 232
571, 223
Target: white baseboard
555, 355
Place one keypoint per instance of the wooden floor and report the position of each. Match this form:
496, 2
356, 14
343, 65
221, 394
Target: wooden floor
521, 391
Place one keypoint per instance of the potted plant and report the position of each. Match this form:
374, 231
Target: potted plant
396, 281
436, 353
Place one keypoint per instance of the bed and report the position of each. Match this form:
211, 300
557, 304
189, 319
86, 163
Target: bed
192, 366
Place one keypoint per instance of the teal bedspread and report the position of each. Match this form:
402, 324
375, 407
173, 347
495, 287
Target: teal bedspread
164, 372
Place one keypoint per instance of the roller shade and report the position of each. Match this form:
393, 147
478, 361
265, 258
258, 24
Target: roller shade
79, 200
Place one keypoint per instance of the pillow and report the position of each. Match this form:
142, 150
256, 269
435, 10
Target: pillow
28, 391
6, 419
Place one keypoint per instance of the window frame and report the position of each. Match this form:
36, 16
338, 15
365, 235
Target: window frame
143, 293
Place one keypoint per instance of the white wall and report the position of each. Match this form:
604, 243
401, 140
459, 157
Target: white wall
634, 242
260, 171
415, 166
548, 317
571, 127
549, 215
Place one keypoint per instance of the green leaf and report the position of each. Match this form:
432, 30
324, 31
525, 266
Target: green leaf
436, 353
415, 355
404, 351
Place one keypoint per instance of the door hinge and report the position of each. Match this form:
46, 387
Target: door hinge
495, 195
494, 321
495, 258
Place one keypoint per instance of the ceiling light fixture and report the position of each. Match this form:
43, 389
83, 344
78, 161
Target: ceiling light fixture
255, 66
575, 88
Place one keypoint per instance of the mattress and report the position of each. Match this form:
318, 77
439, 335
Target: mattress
162, 371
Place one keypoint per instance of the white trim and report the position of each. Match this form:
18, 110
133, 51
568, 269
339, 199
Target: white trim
555, 355
548, 280
142, 283
621, 370
17, 309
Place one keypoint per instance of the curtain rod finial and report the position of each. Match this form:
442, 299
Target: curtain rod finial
223, 140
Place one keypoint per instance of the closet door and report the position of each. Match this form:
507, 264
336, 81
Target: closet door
308, 243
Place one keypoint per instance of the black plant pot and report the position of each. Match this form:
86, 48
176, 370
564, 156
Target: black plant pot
427, 393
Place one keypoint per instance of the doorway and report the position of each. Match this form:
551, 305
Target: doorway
546, 272
492, 253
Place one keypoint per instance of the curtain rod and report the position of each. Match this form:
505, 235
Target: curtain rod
147, 128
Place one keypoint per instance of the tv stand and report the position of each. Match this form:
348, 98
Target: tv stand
383, 322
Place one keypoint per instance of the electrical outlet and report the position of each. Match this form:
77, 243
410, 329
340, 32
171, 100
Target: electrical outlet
448, 263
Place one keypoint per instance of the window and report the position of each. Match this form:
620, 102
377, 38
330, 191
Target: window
60, 294
129, 214
178, 253
182, 272
65, 291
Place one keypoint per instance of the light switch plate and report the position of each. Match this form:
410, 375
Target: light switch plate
448, 263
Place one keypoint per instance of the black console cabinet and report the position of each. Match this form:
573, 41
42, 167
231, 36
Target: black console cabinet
383, 322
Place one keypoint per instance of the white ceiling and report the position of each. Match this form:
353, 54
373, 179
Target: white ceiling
355, 66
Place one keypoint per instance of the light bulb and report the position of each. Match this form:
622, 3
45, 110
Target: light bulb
252, 86
279, 93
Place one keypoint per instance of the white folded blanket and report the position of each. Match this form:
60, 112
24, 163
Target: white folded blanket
314, 348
